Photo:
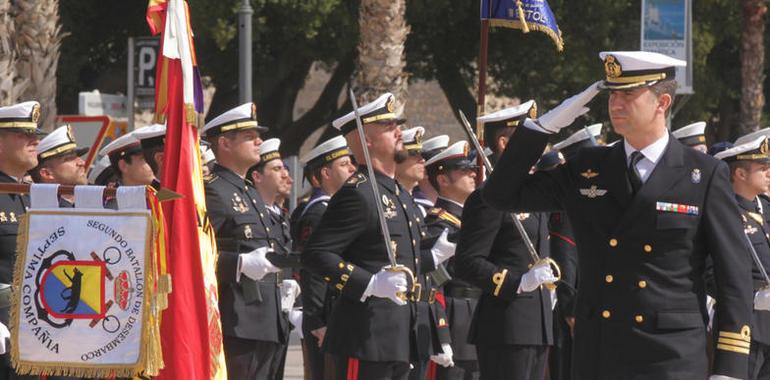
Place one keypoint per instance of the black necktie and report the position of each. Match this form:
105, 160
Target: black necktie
633, 173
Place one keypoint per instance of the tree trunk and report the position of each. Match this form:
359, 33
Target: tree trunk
10, 87
381, 60
39, 38
752, 64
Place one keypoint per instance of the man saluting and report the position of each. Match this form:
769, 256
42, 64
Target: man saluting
647, 212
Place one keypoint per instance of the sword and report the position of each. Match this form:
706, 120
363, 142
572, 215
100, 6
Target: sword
516, 222
755, 256
394, 265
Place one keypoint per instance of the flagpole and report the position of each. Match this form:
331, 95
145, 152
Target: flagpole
483, 50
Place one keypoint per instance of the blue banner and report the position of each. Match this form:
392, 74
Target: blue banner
524, 15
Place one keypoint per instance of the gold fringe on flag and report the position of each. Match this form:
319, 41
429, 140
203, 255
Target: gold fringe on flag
157, 283
530, 25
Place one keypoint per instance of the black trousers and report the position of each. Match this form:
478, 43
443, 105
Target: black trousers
253, 359
502, 361
560, 356
355, 369
463, 370
759, 361
315, 360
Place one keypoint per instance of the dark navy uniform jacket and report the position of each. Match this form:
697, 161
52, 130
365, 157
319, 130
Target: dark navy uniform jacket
250, 309
492, 256
316, 305
756, 222
347, 249
640, 310
461, 297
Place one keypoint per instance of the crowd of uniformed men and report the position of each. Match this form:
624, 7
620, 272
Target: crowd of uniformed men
659, 248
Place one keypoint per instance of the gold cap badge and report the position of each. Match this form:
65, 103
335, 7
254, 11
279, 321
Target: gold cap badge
612, 67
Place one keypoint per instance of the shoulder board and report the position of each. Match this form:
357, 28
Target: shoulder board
356, 179
210, 178
444, 215
435, 211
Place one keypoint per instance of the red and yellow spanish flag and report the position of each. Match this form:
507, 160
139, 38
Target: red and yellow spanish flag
190, 328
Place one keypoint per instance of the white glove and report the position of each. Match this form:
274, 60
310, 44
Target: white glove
568, 110
385, 284
289, 292
444, 359
536, 276
295, 318
255, 265
722, 377
762, 299
443, 249
4, 334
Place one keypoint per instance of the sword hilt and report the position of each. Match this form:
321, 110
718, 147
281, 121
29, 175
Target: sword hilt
412, 286
556, 272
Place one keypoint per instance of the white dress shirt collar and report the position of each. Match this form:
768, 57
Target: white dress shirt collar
652, 152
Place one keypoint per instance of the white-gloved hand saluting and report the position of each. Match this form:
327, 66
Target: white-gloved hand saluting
762, 299
566, 112
387, 284
443, 249
444, 359
255, 264
537, 275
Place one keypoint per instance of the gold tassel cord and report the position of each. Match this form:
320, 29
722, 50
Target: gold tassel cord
522, 19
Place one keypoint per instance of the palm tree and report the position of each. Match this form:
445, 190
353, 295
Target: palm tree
10, 86
752, 64
38, 35
381, 61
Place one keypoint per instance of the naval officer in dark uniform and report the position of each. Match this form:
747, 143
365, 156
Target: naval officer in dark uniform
512, 325
409, 172
327, 167
152, 138
424, 194
253, 325
646, 212
59, 161
19, 137
750, 174
374, 333
453, 174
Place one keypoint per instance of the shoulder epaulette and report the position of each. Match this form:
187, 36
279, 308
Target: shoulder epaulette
445, 215
356, 179
435, 210
210, 178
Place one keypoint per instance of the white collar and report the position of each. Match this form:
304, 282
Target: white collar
652, 152
450, 201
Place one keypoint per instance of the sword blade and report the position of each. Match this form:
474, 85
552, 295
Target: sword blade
488, 166
373, 182
755, 257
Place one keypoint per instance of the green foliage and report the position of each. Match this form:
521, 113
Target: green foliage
443, 44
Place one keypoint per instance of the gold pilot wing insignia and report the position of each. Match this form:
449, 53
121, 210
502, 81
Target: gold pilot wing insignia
588, 174
593, 192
